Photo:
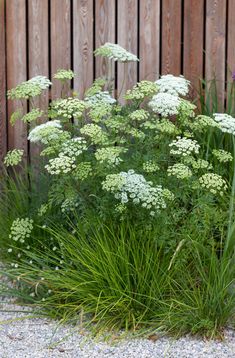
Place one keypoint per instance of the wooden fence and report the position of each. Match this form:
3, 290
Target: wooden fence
192, 37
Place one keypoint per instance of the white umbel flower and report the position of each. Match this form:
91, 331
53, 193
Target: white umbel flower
226, 122
165, 104
132, 187
115, 52
184, 146
176, 86
61, 165
35, 134
101, 97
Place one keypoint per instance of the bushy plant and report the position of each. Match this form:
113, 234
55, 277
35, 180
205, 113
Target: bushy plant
149, 171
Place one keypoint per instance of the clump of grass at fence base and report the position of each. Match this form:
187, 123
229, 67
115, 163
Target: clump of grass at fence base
122, 279
136, 223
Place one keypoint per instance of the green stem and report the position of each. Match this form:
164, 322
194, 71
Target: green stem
231, 205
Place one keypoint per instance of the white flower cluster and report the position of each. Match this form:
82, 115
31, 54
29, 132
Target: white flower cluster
115, 52
180, 171
68, 108
226, 122
60, 165
150, 166
222, 155
165, 104
47, 132
129, 186
94, 132
41, 81
110, 155
73, 147
184, 146
21, 229
13, 157
102, 97
213, 182
173, 85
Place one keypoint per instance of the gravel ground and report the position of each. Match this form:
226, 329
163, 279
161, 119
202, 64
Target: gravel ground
22, 337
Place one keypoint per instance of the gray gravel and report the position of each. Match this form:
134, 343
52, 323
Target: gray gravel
22, 336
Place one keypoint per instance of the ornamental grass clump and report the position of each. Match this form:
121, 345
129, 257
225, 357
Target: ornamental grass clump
128, 198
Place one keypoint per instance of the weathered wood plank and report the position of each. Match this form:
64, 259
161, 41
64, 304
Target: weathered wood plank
105, 32
231, 38
171, 37
60, 41
193, 41
16, 66
127, 38
215, 45
3, 113
38, 53
149, 40
83, 44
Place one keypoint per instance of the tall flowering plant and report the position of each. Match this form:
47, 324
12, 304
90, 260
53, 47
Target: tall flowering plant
141, 162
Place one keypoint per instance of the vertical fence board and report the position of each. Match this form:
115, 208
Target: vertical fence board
171, 37
231, 38
60, 40
3, 113
83, 44
149, 40
38, 52
127, 38
193, 41
215, 44
104, 32
16, 66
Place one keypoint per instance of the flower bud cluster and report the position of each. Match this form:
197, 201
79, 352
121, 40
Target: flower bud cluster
150, 166
68, 108
180, 171
222, 155
110, 155
13, 157
214, 183
64, 75
95, 133
21, 229
142, 90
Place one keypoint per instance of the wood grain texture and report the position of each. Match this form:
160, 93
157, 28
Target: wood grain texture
171, 37
60, 41
38, 54
215, 44
83, 44
193, 41
104, 32
231, 38
16, 67
149, 40
3, 113
127, 38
